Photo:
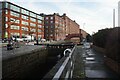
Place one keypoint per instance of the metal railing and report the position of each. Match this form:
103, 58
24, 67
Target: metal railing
66, 69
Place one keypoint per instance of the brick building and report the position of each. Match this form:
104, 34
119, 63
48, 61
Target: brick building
83, 34
54, 27
57, 27
71, 26
18, 21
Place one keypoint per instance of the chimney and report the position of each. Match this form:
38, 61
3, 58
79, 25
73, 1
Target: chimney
113, 17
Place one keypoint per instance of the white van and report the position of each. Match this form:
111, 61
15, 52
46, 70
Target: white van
24, 38
28, 38
17, 38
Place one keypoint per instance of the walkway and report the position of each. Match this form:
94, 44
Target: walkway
90, 65
19, 51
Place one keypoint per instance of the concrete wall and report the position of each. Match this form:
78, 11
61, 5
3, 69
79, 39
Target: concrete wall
108, 61
18, 67
99, 49
113, 65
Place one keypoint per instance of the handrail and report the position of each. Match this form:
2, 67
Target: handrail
59, 72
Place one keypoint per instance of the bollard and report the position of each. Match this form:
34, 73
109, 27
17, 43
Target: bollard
67, 52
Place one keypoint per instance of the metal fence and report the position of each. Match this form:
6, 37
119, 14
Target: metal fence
63, 70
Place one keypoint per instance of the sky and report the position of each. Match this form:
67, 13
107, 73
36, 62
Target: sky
91, 15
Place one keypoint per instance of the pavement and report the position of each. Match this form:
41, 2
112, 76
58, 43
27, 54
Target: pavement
19, 51
90, 65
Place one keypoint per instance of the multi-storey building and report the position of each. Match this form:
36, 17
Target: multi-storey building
83, 34
71, 26
54, 27
57, 27
18, 21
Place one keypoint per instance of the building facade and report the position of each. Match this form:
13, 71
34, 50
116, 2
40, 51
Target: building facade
18, 21
83, 34
58, 27
71, 26
119, 13
54, 28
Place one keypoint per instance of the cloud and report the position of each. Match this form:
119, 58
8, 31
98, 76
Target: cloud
96, 14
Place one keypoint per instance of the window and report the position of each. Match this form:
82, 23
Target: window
6, 18
15, 27
39, 21
14, 20
32, 30
6, 11
24, 23
39, 17
25, 28
39, 30
47, 35
15, 8
24, 17
51, 26
6, 25
6, 5
32, 24
51, 18
24, 11
32, 14
0, 5
17, 21
51, 21
32, 19
46, 26
46, 22
14, 14
46, 31
47, 18
51, 34
39, 26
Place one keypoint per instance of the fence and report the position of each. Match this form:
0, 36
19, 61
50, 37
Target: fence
64, 68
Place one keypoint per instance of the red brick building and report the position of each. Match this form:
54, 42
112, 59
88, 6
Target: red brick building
54, 27
18, 21
83, 34
58, 27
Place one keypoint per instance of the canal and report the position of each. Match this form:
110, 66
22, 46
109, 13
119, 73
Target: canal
55, 53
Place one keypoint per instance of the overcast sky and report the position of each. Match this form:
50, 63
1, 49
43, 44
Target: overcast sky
91, 15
